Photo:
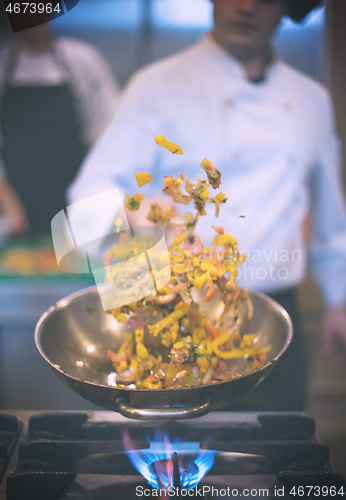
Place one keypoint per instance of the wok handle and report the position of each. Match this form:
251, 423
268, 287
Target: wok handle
163, 413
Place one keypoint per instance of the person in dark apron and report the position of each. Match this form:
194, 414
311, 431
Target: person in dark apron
41, 141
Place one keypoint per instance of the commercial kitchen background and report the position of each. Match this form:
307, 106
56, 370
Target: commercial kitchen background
131, 33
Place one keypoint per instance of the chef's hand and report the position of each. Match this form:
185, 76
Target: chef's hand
18, 222
12, 208
334, 334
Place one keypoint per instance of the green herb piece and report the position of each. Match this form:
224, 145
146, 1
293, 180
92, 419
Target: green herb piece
89, 307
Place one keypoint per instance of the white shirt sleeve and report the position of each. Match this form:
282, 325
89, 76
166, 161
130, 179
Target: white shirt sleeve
95, 87
328, 243
126, 147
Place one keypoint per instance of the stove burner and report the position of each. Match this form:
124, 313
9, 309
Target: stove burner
156, 464
174, 468
59, 445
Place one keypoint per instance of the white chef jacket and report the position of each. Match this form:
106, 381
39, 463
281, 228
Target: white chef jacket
94, 87
274, 143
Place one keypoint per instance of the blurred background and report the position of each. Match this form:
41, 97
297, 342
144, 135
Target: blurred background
130, 34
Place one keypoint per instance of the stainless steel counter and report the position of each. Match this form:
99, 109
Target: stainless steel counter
26, 381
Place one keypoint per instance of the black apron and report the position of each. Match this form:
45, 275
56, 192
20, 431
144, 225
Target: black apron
42, 149
284, 388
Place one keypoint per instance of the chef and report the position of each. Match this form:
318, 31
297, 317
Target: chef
270, 131
56, 96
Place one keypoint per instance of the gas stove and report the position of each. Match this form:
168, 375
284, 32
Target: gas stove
104, 456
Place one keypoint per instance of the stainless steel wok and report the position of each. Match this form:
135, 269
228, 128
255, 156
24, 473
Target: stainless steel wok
73, 337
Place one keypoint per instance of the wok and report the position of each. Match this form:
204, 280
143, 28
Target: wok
73, 337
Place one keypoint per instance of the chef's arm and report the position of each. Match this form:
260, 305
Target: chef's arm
99, 97
125, 148
328, 245
12, 208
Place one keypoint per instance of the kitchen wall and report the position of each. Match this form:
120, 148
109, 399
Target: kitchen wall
132, 33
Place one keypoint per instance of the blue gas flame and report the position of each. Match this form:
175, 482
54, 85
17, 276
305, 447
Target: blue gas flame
161, 448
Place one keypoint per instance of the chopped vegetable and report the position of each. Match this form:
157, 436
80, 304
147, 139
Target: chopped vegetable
143, 178
197, 344
170, 146
214, 176
218, 229
221, 198
211, 290
89, 307
133, 202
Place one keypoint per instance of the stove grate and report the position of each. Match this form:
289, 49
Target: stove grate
58, 445
9, 432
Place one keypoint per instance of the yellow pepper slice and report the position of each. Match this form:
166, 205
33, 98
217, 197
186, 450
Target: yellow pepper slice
139, 335
204, 194
221, 198
121, 317
209, 346
174, 331
197, 281
180, 269
198, 334
232, 267
150, 364
142, 351
134, 367
166, 339
240, 353
147, 384
143, 178
234, 353
203, 364
225, 239
179, 345
121, 367
165, 289
127, 346
205, 265
170, 146
171, 318
182, 236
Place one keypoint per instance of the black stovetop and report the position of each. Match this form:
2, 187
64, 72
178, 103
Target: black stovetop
80, 456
